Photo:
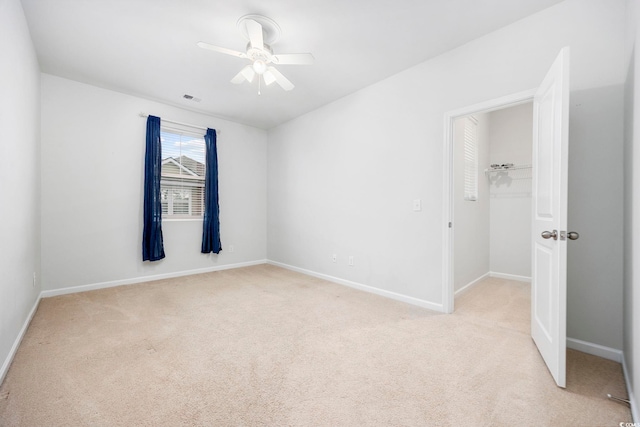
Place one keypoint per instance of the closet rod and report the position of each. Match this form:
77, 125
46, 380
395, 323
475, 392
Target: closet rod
181, 124
511, 168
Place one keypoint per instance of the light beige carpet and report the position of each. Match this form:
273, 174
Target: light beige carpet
265, 346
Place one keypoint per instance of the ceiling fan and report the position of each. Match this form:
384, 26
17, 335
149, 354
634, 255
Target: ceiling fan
261, 32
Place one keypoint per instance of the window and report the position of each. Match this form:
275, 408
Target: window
182, 175
471, 159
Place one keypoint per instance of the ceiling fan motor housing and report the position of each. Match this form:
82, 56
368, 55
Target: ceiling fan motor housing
256, 53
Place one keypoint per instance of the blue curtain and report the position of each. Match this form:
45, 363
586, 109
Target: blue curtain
211, 223
152, 246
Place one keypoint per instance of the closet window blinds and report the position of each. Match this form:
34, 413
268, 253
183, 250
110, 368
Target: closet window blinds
471, 159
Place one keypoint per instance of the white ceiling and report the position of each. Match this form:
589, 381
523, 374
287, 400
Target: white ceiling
148, 47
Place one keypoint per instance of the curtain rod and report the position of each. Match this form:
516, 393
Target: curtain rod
181, 124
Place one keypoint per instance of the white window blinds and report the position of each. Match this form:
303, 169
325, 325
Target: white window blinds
471, 159
182, 175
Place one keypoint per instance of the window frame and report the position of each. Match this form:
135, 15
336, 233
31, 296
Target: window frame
171, 186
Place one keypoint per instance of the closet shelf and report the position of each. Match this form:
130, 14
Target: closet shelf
505, 175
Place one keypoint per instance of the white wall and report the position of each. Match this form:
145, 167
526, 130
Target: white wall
595, 211
632, 206
19, 177
93, 143
342, 178
510, 141
471, 218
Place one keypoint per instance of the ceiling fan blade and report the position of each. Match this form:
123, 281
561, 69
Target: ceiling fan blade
254, 29
268, 77
293, 58
280, 79
222, 50
246, 73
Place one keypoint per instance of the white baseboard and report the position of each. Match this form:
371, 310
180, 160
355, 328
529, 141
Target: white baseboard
627, 379
16, 343
399, 297
111, 284
595, 349
471, 284
510, 276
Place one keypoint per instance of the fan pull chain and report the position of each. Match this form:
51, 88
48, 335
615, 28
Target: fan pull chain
259, 79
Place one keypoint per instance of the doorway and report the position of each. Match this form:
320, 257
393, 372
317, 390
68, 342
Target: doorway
492, 196
465, 274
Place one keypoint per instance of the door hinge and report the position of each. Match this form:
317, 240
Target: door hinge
450, 224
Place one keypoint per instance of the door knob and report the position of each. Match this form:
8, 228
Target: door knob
573, 235
549, 234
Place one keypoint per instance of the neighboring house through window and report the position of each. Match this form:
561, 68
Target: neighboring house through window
182, 175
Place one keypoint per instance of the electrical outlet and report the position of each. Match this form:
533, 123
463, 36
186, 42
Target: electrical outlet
231, 248
334, 258
351, 260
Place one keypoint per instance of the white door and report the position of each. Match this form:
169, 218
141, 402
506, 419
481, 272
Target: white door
549, 254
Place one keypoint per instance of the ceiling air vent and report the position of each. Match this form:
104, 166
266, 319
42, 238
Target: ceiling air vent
191, 98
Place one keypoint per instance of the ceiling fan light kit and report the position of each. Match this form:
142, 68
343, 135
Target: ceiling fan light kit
261, 32
259, 66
